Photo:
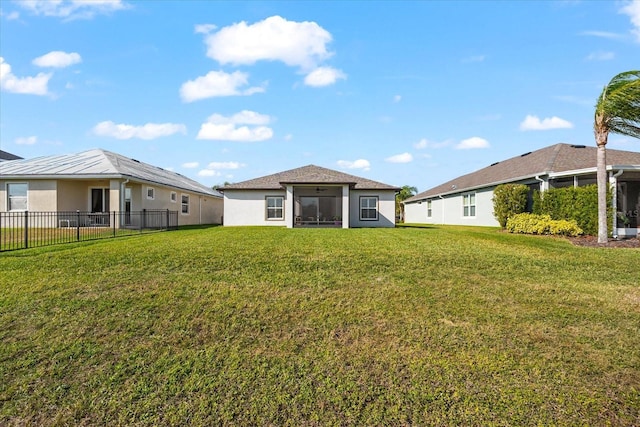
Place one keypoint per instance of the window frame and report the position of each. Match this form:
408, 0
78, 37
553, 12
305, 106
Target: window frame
429, 209
10, 198
173, 197
274, 208
183, 204
153, 193
362, 208
469, 205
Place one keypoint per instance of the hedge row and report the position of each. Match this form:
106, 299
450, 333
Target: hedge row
529, 223
571, 203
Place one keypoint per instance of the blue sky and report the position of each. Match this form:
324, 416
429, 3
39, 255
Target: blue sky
407, 93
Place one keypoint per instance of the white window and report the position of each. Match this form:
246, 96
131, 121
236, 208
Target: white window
368, 208
429, 210
185, 204
174, 197
151, 193
275, 207
469, 205
17, 196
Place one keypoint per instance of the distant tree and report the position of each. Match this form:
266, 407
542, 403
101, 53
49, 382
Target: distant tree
405, 192
617, 111
215, 187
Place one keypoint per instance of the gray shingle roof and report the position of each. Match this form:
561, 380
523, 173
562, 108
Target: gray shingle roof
8, 156
99, 164
310, 174
553, 159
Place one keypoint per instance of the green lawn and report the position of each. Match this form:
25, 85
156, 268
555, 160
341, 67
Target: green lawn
265, 326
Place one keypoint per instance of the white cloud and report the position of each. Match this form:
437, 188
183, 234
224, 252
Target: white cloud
534, 123
472, 143
217, 83
221, 128
400, 158
323, 76
632, 9
425, 143
356, 164
602, 34
600, 56
297, 44
204, 28
208, 172
26, 140
147, 131
57, 59
25, 85
397, 99
11, 16
226, 165
190, 165
474, 58
72, 9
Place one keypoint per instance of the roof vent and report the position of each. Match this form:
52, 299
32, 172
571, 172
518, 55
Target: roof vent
137, 161
493, 164
525, 154
578, 146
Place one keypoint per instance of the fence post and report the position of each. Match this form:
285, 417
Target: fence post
143, 223
114, 223
26, 229
78, 225
168, 223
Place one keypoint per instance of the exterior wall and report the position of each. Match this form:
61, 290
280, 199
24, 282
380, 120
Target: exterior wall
247, 207
386, 209
75, 195
449, 210
41, 194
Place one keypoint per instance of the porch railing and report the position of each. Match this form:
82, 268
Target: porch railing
22, 230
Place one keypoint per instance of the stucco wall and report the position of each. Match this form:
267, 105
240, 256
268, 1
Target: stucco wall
449, 210
248, 208
386, 209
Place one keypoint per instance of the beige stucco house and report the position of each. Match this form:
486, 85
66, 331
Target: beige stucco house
98, 181
310, 196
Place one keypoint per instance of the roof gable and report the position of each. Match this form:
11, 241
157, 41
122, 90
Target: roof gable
310, 174
553, 159
103, 163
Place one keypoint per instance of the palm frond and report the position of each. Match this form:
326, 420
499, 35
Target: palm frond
619, 105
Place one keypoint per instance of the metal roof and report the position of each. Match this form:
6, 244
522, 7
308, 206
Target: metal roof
96, 164
552, 160
310, 174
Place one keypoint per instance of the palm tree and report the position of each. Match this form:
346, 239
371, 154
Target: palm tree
617, 111
405, 192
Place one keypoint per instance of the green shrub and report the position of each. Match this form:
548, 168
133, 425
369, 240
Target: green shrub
509, 200
572, 203
528, 223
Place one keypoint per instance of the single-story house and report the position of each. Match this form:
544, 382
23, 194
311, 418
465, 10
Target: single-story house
99, 181
310, 196
468, 199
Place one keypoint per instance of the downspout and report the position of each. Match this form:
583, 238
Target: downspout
123, 190
442, 201
614, 202
542, 189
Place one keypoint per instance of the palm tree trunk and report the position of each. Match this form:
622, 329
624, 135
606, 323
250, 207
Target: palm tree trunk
601, 140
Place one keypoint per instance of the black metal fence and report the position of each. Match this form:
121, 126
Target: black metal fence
22, 230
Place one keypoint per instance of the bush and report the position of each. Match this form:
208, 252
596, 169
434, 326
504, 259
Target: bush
572, 203
527, 223
509, 200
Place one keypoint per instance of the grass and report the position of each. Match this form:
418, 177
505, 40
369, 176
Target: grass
265, 326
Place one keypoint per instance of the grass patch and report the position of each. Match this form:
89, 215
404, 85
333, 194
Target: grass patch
271, 326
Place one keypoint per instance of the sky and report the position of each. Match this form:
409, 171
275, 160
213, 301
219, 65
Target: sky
406, 93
